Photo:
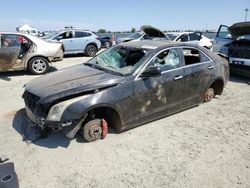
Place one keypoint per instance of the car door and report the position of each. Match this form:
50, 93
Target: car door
9, 51
222, 37
194, 38
81, 40
198, 71
157, 96
182, 38
67, 39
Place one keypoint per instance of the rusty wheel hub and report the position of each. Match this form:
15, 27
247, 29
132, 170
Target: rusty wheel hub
95, 131
209, 95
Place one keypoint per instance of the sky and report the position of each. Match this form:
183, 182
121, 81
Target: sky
116, 15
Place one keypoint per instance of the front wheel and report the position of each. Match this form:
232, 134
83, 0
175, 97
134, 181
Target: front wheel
38, 65
91, 50
92, 130
209, 95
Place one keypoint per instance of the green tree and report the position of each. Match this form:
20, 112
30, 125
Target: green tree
102, 31
133, 30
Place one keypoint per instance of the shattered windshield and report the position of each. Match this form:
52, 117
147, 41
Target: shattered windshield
121, 60
135, 35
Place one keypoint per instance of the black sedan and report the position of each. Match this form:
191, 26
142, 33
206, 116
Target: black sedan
125, 86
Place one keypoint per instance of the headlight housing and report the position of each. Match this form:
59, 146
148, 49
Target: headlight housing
56, 111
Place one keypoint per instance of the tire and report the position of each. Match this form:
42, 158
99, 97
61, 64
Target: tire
107, 44
91, 50
92, 130
209, 95
38, 65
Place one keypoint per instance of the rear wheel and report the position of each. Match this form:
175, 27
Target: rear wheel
91, 50
92, 130
38, 65
209, 95
107, 44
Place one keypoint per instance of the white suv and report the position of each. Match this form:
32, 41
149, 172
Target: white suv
76, 41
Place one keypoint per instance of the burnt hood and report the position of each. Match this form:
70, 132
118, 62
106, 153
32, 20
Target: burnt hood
70, 81
152, 31
239, 29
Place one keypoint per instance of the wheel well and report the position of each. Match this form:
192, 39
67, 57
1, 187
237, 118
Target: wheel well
218, 86
36, 57
92, 44
109, 114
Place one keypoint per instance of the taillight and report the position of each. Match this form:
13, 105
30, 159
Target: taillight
98, 38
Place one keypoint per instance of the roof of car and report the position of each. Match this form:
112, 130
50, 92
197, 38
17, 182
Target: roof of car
72, 29
154, 44
14, 33
180, 33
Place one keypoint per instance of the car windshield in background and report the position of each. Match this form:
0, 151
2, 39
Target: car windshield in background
122, 60
135, 35
172, 36
51, 35
244, 37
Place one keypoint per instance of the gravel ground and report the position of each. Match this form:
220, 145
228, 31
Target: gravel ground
206, 146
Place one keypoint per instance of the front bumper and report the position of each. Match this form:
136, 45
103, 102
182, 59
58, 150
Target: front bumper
40, 121
69, 129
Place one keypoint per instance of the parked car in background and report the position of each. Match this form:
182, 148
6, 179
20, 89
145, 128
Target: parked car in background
191, 37
234, 42
125, 86
146, 33
19, 51
105, 41
76, 41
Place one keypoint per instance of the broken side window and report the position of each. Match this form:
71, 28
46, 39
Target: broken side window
193, 56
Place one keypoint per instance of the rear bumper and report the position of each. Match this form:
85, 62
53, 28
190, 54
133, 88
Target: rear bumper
240, 66
239, 61
57, 57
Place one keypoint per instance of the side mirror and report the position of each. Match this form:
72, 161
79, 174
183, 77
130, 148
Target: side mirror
151, 71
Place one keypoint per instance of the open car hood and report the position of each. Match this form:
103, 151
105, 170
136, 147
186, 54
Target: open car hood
152, 31
239, 29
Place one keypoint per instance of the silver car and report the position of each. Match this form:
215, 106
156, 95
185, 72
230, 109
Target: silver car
76, 41
19, 51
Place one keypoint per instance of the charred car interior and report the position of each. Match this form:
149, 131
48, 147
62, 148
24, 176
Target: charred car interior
125, 86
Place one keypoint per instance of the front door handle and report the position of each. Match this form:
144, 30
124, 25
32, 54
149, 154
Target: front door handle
178, 77
211, 67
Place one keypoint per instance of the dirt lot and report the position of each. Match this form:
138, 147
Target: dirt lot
206, 146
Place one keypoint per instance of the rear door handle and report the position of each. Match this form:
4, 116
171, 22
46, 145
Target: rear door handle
178, 77
211, 67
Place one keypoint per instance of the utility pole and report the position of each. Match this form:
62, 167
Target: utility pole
246, 14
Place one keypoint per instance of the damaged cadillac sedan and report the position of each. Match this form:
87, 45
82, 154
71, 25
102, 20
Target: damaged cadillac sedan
125, 86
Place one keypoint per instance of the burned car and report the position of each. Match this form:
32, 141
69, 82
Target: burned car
234, 42
147, 32
125, 86
19, 51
